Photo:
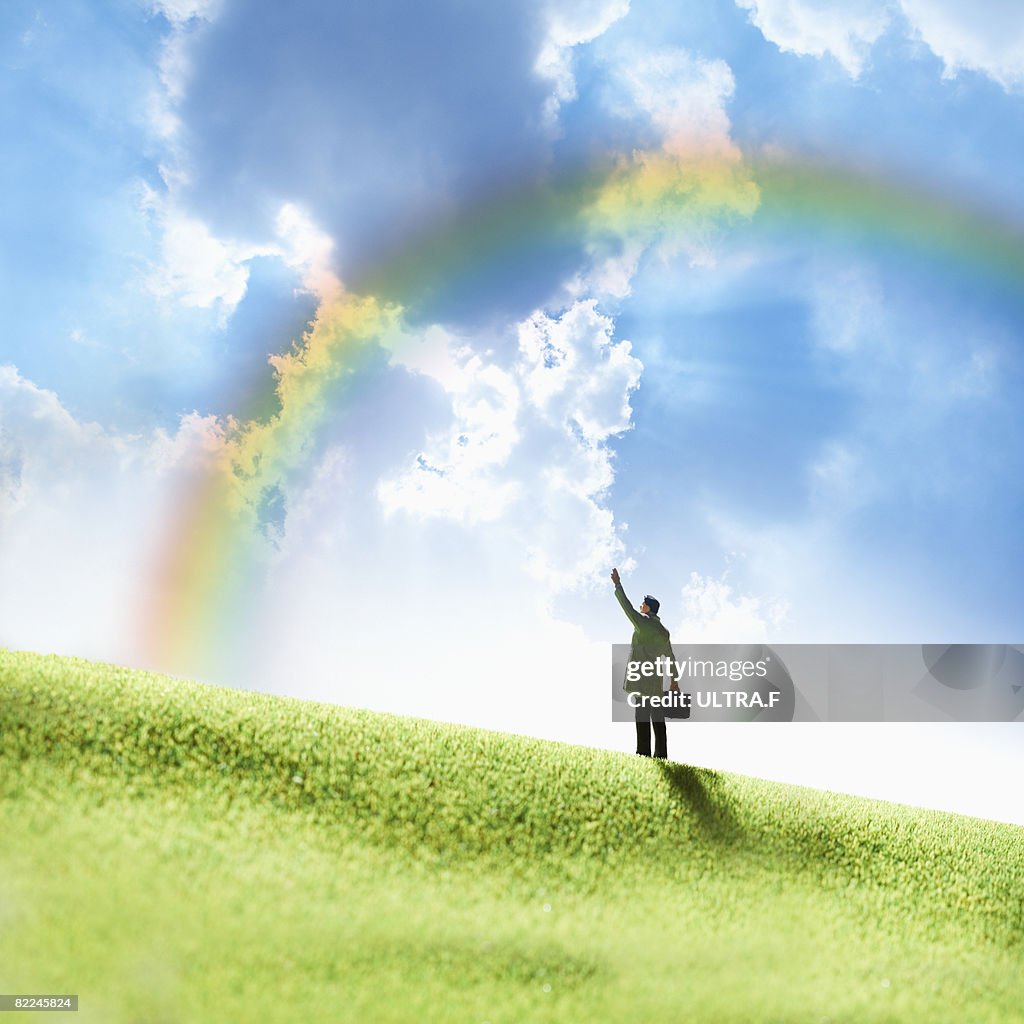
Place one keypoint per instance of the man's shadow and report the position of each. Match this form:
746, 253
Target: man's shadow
700, 791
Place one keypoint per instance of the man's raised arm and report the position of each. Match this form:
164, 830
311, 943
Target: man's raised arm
631, 613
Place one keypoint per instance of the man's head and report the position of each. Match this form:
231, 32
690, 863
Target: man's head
650, 605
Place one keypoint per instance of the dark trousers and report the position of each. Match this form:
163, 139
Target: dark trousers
646, 719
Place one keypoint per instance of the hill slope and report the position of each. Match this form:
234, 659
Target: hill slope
181, 852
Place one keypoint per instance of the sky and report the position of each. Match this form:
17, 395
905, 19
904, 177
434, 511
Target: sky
348, 347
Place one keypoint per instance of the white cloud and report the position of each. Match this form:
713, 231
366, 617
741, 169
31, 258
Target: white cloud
196, 268
684, 96
200, 271
460, 474
173, 69
571, 23
556, 405
714, 613
573, 536
435, 353
574, 372
571, 380
33, 420
985, 36
174, 65
81, 510
609, 275
845, 29
180, 12
574, 22
672, 198
308, 249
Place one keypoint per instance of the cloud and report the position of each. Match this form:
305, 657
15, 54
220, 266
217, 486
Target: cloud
571, 24
377, 121
196, 268
674, 195
555, 400
367, 552
461, 475
844, 29
529, 441
985, 36
181, 12
80, 510
714, 613
684, 97
174, 67
574, 372
34, 420
309, 250
370, 117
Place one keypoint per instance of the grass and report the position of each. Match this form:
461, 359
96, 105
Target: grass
175, 852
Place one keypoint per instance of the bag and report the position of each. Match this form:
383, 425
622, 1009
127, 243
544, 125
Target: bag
677, 712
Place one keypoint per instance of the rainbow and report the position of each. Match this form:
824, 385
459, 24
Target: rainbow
212, 562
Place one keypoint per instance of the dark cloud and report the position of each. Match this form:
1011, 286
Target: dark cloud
379, 117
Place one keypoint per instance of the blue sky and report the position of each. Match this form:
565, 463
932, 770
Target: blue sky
785, 435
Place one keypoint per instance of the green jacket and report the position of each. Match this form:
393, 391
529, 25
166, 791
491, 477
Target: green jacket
650, 640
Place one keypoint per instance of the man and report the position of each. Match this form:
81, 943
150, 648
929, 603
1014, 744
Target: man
650, 641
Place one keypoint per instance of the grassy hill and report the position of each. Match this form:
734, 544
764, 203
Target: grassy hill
175, 852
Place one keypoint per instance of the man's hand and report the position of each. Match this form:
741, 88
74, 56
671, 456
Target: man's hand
615, 576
